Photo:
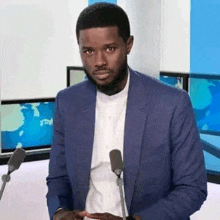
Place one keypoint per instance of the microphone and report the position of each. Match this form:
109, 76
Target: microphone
117, 167
16, 159
13, 164
116, 162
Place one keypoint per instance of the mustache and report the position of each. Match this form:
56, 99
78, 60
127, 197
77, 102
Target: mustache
102, 69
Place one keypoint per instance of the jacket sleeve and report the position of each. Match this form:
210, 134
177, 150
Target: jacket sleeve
188, 170
59, 190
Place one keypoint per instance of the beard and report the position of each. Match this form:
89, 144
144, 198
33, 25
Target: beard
114, 86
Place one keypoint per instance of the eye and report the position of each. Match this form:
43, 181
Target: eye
89, 51
110, 49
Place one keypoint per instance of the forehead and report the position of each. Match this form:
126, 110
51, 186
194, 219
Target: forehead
99, 35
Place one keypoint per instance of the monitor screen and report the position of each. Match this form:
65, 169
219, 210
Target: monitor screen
211, 144
204, 92
75, 75
178, 80
26, 124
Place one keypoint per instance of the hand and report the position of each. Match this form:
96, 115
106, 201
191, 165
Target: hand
103, 216
69, 215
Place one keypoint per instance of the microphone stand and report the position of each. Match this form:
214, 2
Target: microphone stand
5, 178
120, 183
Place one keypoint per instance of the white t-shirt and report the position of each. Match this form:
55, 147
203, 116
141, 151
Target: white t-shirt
104, 195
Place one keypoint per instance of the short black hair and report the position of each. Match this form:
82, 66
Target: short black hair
104, 15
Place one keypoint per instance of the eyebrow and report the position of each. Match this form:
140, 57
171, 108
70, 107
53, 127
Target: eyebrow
111, 44
86, 48
105, 45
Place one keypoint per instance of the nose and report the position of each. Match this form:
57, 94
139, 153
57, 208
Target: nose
100, 59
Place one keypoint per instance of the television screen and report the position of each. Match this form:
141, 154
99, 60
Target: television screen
26, 124
75, 75
204, 92
178, 80
211, 144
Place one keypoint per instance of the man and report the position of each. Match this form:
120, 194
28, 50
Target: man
118, 108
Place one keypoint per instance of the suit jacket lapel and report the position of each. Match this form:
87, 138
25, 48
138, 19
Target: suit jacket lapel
136, 115
85, 127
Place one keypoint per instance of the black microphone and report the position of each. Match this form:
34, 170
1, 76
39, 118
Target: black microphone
116, 162
16, 159
13, 164
117, 167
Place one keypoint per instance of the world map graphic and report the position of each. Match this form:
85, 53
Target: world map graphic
205, 97
27, 125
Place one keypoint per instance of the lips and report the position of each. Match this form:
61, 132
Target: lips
101, 75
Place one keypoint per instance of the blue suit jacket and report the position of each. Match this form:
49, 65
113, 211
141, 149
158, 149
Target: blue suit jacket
164, 173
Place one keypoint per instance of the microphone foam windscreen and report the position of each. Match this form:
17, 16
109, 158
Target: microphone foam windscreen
17, 158
116, 160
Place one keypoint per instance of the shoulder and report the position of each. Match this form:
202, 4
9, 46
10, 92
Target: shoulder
72, 89
159, 91
154, 84
76, 97
77, 91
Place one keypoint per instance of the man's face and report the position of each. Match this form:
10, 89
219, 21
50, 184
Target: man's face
104, 57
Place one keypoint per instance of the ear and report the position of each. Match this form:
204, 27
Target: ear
129, 44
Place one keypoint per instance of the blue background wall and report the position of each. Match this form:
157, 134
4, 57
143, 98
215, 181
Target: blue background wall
205, 36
